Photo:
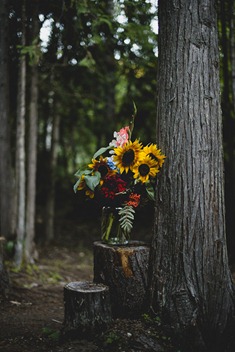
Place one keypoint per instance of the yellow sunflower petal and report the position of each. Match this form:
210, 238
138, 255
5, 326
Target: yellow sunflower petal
126, 157
145, 169
154, 153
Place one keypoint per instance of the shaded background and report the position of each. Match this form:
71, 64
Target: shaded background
93, 59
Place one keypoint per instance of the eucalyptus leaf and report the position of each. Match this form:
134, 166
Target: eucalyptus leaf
78, 173
101, 151
75, 187
150, 191
92, 181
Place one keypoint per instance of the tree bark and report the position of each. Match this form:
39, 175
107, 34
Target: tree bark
226, 37
124, 269
50, 206
232, 48
87, 309
20, 151
190, 281
32, 154
5, 150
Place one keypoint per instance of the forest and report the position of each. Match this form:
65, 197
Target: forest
79, 86
73, 72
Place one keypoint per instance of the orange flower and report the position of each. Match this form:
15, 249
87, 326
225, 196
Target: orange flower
134, 200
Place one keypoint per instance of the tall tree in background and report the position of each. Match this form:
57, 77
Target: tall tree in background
190, 281
50, 205
29, 246
20, 148
5, 155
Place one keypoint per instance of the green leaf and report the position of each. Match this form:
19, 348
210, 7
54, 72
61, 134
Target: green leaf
81, 172
88, 61
101, 151
92, 181
126, 218
75, 187
150, 191
79, 175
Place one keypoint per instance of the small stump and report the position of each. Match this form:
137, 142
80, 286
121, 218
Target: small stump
87, 309
125, 270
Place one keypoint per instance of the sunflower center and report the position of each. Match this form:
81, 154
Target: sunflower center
152, 156
103, 170
128, 157
144, 169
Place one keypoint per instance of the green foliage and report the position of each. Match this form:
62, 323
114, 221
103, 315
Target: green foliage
93, 180
101, 151
111, 338
51, 333
156, 320
98, 59
127, 216
9, 247
150, 190
32, 51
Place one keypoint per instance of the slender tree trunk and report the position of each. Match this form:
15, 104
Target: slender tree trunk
50, 207
5, 150
232, 48
190, 281
32, 156
20, 152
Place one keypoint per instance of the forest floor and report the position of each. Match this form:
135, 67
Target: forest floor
32, 312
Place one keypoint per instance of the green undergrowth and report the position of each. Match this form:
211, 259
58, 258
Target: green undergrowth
55, 265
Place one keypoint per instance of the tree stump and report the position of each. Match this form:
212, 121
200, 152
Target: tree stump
124, 269
87, 309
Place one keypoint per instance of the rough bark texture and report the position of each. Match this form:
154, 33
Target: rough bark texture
32, 154
232, 47
227, 35
190, 282
87, 309
20, 150
124, 269
5, 155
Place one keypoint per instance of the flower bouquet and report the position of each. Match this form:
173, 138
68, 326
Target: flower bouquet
120, 177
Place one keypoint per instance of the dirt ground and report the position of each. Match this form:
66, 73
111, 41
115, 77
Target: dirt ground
32, 313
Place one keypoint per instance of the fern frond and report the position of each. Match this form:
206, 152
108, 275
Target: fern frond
127, 215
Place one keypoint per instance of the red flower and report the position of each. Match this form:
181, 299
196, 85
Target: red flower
112, 186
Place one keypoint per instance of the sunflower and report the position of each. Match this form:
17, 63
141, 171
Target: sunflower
82, 186
155, 154
126, 157
102, 167
145, 168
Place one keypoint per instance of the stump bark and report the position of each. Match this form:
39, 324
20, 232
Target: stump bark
124, 269
87, 309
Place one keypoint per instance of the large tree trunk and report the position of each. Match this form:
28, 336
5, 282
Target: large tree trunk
32, 154
190, 282
5, 152
20, 151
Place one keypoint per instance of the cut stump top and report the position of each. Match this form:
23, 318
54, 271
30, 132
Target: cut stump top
86, 286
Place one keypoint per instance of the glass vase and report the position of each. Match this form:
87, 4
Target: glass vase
111, 231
